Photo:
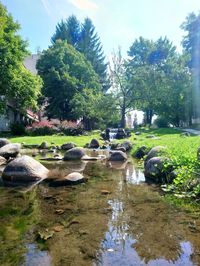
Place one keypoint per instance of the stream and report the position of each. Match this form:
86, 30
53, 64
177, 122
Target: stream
115, 218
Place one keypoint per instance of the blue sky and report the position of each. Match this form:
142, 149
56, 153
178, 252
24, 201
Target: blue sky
117, 22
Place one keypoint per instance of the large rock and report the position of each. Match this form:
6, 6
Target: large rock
121, 134
10, 150
155, 152
141, 152
2, 160
127, 145
120, 149
118, 156
155, 169
94, 144
4, 142
71, 179
44, 145
68, 146
24, 169
74, 154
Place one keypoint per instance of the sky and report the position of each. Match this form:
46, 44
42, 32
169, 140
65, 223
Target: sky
118, 23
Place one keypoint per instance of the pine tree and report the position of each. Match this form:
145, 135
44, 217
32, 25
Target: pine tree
90, 46
85, 40
68, 30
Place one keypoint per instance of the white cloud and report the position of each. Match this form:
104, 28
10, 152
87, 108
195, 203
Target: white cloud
46, 6
84, 4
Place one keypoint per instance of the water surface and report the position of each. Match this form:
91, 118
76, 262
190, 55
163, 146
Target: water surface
113, 219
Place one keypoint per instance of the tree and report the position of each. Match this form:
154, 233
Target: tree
65, 72
84, 38
96, 109
176, 88
69, 31
121, 87
191, 45
91, 47
147, 61
15, 81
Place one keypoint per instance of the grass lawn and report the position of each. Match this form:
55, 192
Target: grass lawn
183, 150
57, 140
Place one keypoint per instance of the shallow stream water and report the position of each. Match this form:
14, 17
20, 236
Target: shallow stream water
113, 219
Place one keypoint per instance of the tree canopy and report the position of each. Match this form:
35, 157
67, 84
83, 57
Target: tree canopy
85, 39
65, 72
15, 81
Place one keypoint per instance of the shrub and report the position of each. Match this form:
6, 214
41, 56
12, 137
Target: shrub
161, 122
70, 128
41, 128
17, 129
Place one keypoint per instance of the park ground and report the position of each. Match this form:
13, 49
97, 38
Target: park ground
180, 148
183, 149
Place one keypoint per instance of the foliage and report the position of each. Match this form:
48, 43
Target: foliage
17, 129
191, 45
182, 152
84, 38
97, 109
65, 72
15, 81
41, 128
91, 47
161, 122
70, 128
68, 30
121, 87
160, 73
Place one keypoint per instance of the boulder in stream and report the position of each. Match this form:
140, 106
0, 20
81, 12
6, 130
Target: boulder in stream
4, 142
155, 152
94, 144
74, 154
68, 146
71, 179
44, 145
155, 169
24, 169
117, 156
10, 150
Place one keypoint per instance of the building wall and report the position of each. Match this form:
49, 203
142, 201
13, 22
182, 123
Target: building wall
6, 120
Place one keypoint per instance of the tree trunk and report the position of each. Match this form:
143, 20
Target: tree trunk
149, 116
123, 117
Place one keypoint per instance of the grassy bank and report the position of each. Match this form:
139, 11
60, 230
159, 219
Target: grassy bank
182, 151
57, 140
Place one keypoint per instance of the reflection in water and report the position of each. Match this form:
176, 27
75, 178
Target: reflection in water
36, 257
130, 225
118, 245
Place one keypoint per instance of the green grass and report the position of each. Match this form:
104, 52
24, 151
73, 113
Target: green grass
57, 140
183, 150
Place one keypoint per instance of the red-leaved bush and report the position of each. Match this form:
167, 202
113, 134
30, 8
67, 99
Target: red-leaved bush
46, 127
71, 128
41, 128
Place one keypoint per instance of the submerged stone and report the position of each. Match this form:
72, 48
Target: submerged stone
71, 179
